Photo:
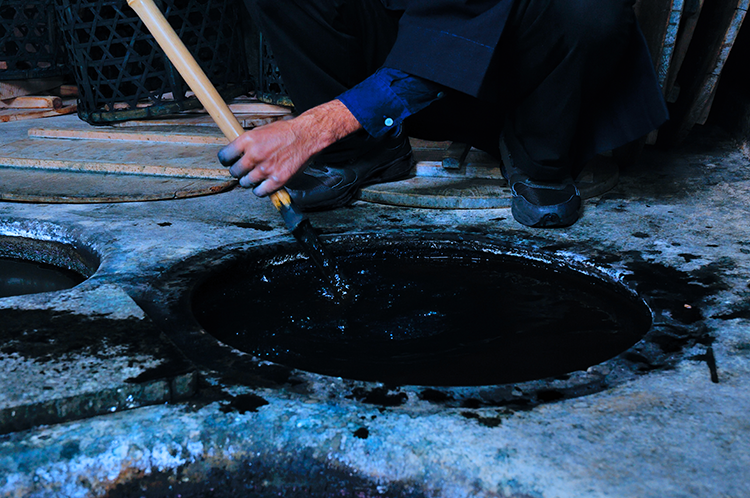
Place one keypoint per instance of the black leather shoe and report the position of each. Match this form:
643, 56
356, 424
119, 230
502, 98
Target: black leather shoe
329, 185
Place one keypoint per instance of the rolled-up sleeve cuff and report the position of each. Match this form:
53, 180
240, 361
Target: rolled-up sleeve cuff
375, 105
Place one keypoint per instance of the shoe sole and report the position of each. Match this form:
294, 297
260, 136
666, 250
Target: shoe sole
557, 216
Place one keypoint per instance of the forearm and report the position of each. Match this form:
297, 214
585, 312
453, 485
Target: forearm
324, 125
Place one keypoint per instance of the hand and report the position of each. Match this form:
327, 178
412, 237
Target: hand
268, 156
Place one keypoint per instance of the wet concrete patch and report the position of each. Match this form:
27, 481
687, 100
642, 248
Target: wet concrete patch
60, 365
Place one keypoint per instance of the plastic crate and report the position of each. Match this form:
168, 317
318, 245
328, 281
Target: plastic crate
121, 72
270, 87
30, 44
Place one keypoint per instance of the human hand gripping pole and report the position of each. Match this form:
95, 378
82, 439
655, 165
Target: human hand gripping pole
296, 221
205, 91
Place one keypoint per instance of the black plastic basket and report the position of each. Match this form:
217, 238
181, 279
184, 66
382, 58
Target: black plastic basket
122, 73
30, 43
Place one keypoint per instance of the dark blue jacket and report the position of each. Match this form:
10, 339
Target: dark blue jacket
452, 42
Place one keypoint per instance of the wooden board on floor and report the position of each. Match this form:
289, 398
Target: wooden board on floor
86, 170
248, 121
250, 114
18, 88
32, 102
55, 187
103, 156
13, 114
195, 135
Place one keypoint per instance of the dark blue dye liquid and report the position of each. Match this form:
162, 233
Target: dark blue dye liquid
423, 319
19, 277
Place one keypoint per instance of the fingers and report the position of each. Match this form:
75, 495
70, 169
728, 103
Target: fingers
262, 182
230, 153
266, 157
250, 174
239, 156
269, 186
239, 170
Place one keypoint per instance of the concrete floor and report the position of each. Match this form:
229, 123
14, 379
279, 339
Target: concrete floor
131, 411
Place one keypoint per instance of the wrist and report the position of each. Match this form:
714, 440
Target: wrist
327, 123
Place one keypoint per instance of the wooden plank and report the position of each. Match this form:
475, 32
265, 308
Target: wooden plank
670, 39
114, 167
7, 115
18, 88
68, 91
44, 186
660, 20
32, 102
258, 109
158, 134
691, 13
102, 156
703, 116
247, 121
717, 29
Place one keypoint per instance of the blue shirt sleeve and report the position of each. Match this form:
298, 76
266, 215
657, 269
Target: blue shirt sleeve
382, 102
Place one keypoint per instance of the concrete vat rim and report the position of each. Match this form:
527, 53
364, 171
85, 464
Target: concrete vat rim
59, 252
166, 301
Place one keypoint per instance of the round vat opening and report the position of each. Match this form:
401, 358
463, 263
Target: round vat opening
426, 313
29, 266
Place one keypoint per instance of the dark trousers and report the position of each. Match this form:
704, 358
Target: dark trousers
551, 66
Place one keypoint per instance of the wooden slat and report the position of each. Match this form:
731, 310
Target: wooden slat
68, 91
718, 25
158, 134
104, 156
200, 120
45, 186
660, 20
7, 115
32, 102
115, 167
18, 88
258, 109
691, 13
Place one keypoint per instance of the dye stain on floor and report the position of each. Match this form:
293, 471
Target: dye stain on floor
433, 318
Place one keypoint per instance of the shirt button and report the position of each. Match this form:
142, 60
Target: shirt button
388, 122
440, 95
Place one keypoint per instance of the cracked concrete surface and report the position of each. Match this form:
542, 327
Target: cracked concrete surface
674, 229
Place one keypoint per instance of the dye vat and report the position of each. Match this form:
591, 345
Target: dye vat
425, 313
29, 266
